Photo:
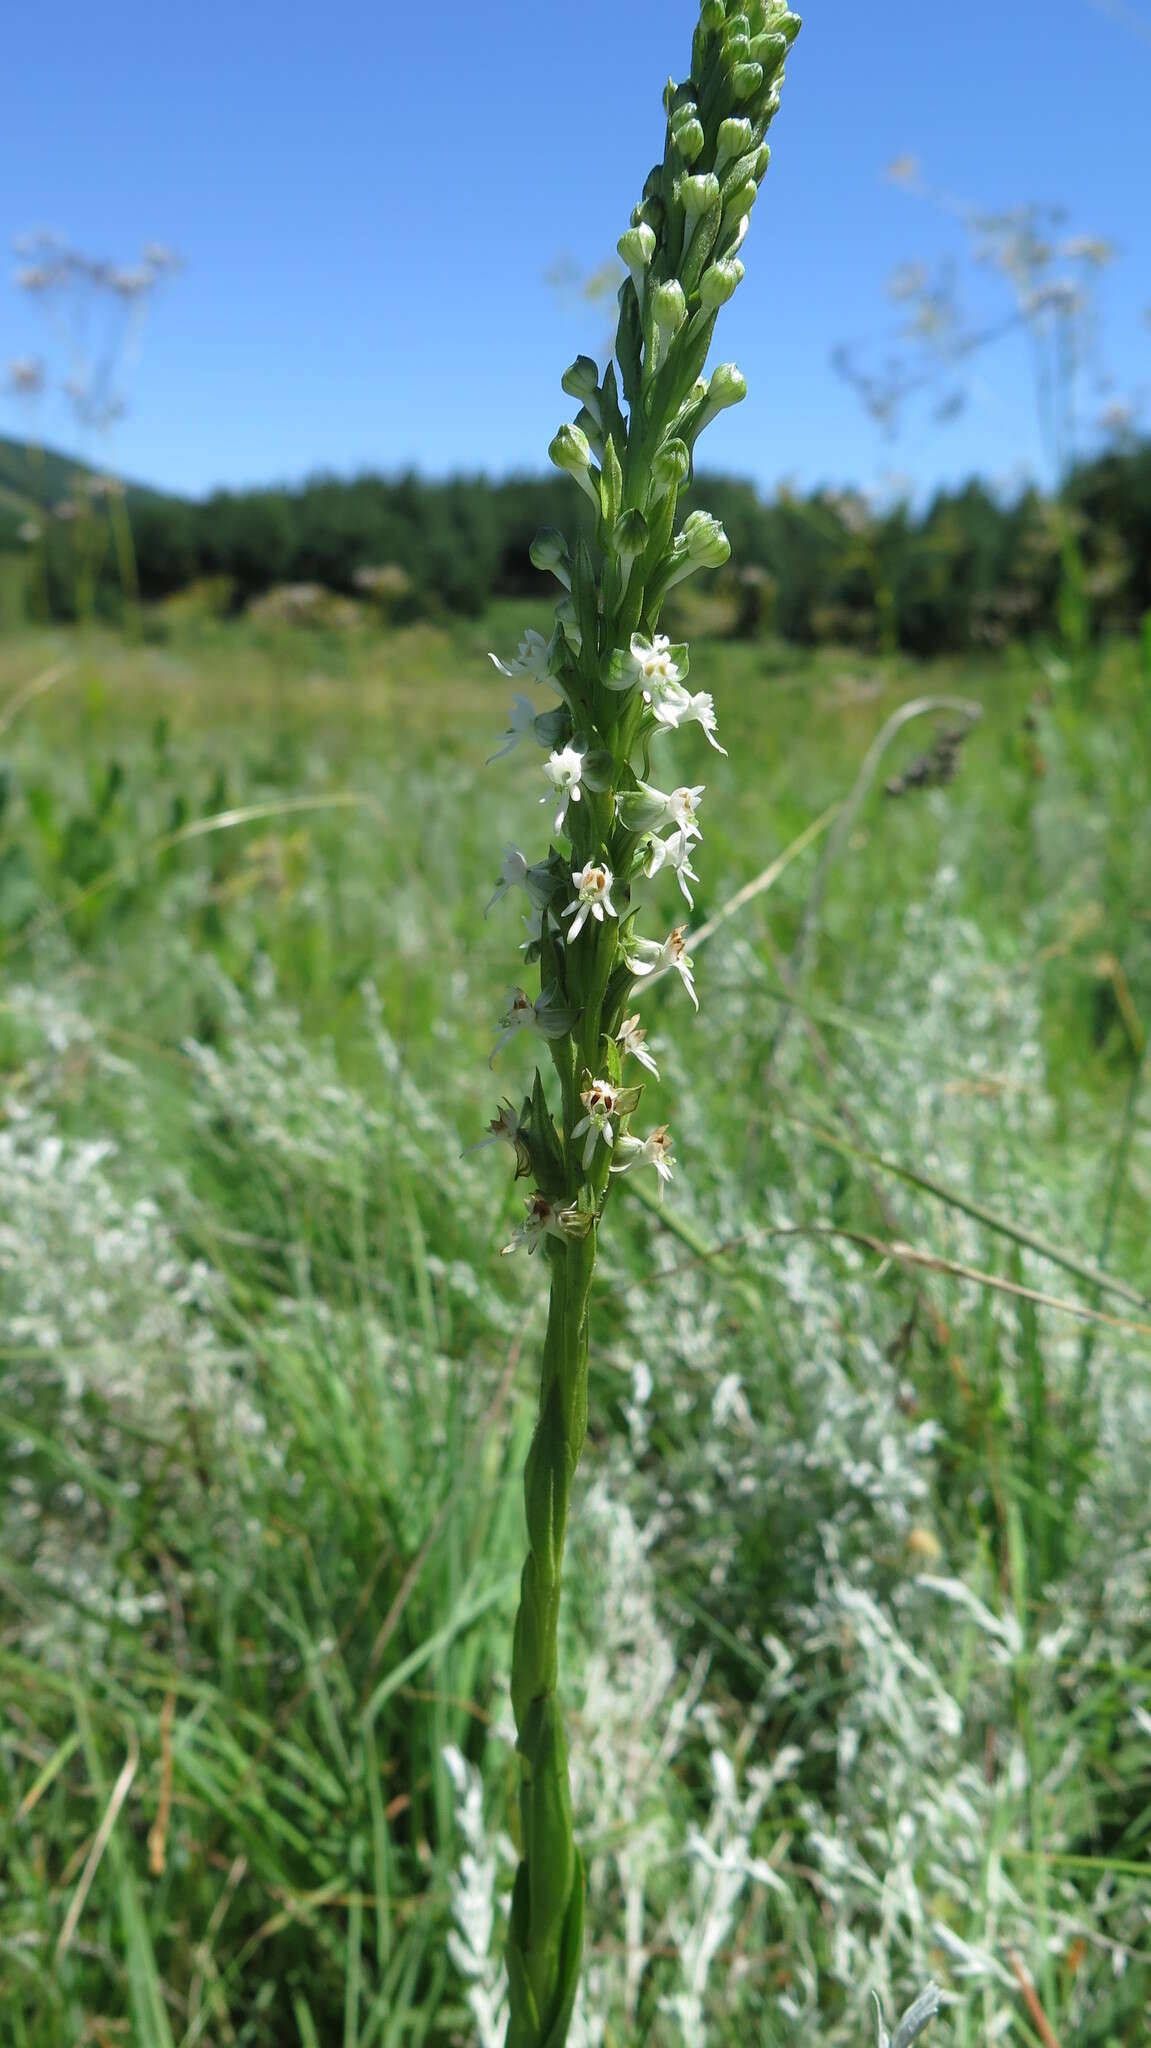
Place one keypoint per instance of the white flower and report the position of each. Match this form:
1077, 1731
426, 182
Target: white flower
631, 1037
675, 849
601, 1102
521, 723
660, 677
700, 710
645, 956
646, 809
681, 806
513, 875
655, 1150
547, 1015
593, 896
563, 771
532, 659
677, 956
543, 1219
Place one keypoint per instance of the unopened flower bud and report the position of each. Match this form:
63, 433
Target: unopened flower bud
734, 139
670, 466
549, 552
669, 308
717, 284
746, 79
700, 199
762, 159
629, 540
706, 542
568, 624
636, 248
740, 202
697, 194
570, 451
712, 16
769, 50
728, 386
650, 212
689, 139
581, 381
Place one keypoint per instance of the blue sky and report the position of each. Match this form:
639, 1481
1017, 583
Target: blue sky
369, 199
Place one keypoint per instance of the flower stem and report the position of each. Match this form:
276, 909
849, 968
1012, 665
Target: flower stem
547, 1907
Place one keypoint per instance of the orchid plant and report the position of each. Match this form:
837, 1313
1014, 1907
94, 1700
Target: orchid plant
623, 692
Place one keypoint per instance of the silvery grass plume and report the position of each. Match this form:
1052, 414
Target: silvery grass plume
622, 691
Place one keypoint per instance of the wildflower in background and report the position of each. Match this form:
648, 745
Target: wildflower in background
25, 377
472, 1888
592, 885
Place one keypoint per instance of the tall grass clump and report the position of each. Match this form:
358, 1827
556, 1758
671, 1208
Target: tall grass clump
622, 689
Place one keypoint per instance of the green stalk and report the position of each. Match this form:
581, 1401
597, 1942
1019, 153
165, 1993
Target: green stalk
547, 1912
620, 691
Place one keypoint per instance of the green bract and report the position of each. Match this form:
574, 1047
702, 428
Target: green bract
624, 692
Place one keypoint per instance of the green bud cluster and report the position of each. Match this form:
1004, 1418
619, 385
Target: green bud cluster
622, 690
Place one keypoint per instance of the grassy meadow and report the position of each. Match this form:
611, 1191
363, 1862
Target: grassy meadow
858, 1656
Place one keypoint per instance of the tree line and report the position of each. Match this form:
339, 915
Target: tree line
969, 568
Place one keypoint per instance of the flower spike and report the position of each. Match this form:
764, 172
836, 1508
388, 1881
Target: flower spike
622, 683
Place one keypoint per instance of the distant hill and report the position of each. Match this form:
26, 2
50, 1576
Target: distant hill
33, 479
